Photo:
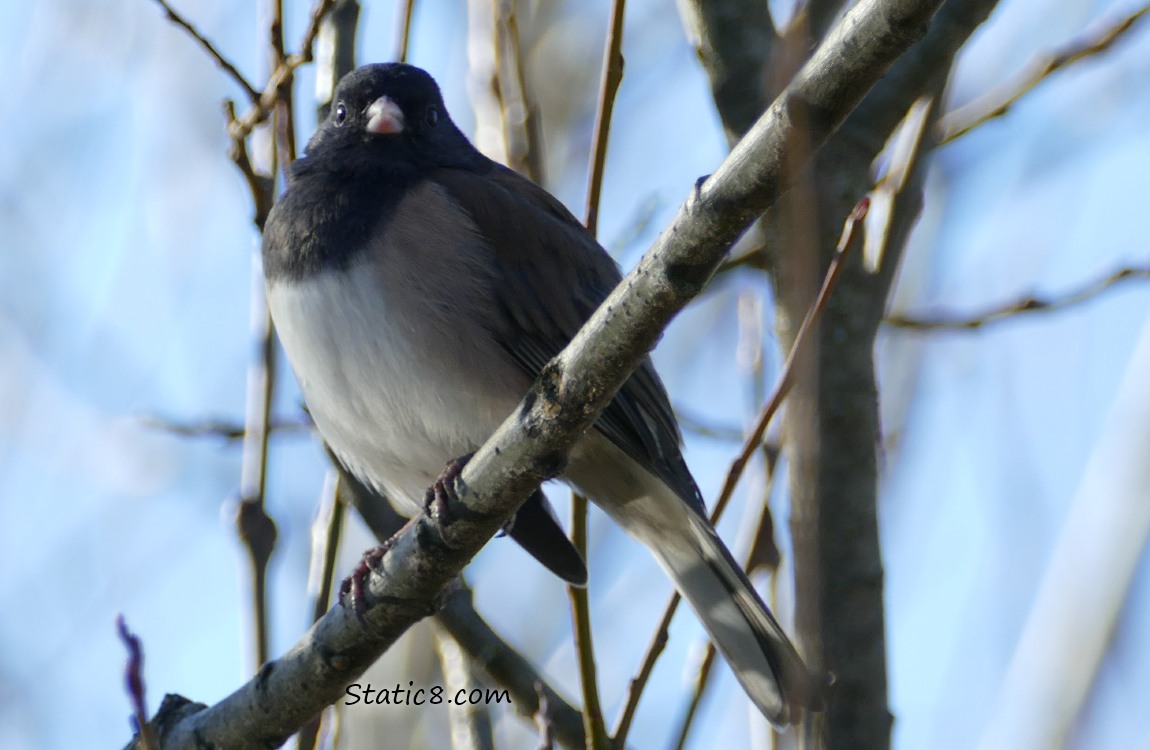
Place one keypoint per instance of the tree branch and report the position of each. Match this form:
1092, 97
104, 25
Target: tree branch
832, 421
502, 663
215, 54
570, 393
996, 103
593, 723
609, 82
1085, 293
734, 42
262, 108
751, 444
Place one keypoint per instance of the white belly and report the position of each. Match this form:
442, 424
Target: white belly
396, 375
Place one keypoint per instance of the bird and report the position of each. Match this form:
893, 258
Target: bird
419, 288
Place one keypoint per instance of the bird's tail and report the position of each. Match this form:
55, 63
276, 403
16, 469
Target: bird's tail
742, 628
766, 664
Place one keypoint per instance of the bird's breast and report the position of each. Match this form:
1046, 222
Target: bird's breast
396, 366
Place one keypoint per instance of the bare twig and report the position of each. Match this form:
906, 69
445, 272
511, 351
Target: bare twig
469, 724
690, 422
521, 128
335, 52
755, 557
735, 41
998, 102
612, 74
608, 87
215, 54
530, 693
502, 663
326, 531
283, 116
702, 680
134, 681
315, 23
750, 445
786, 376
256, 529
242, 127
405, 31
261, 186
543, 721
639, 681
999, 313
593, 722
223, 430
908, 143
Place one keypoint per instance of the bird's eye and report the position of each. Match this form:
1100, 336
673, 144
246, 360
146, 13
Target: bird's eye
340, 114
431, 116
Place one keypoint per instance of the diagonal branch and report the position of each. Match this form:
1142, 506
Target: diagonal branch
996, 103
734, 42
215, 54
751, 445
1085, 293
281, 76
571, 392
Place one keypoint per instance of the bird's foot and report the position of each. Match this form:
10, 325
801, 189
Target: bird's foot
442, 492
353, 589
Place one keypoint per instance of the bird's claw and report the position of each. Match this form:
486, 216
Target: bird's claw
353, 590
437, 501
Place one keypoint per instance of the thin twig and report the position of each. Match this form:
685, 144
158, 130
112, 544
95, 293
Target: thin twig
752, 442
690, 422
702, 680
608, 87
283, 117
215, 428
593, 723
215, 54
639, 681
908, 142
706, 667
1025, 305
543, 720
134, 682
521, 127
261, 186
335, 55
326, 531
262, 107
998, 102
255, 528
469, 725
502, 663
405, 31
786, 377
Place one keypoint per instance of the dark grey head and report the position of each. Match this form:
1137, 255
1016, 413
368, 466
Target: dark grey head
389, 110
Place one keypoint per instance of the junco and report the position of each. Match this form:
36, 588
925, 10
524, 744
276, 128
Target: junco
419, 288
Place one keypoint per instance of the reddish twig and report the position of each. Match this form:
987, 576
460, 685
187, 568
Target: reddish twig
999, 313
998, 102
608, 87
750, 445
134, 680
215, 54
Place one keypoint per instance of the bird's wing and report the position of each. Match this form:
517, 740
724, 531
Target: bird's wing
551, 276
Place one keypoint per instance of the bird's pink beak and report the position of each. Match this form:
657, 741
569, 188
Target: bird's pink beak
384, 117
